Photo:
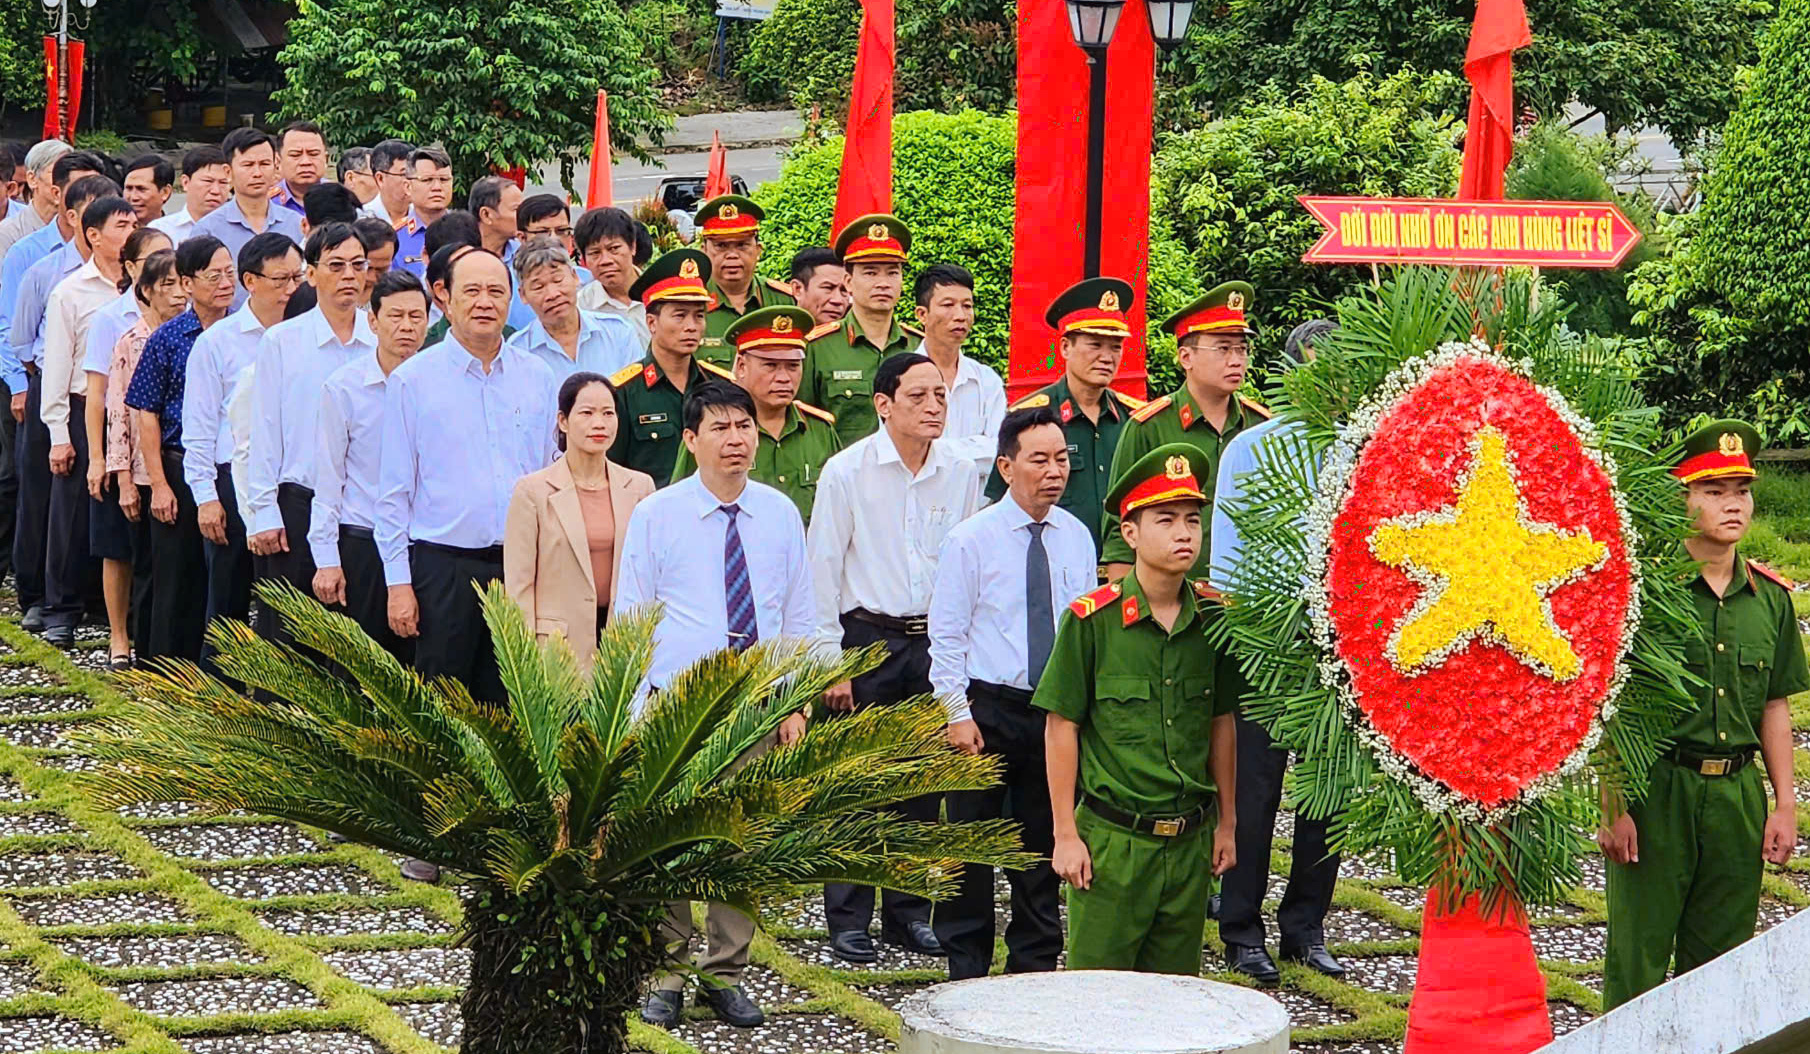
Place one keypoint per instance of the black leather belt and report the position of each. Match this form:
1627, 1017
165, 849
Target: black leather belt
1710, 764
910, 626
489, 554
352, 530
1162, 827
1003, 693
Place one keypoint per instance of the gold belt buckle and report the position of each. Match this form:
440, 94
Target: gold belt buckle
1166, 828
1714, 767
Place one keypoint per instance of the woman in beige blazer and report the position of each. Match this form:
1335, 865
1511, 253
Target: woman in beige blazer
560, 551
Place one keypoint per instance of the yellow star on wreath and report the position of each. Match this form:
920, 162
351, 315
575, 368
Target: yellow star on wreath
1486, 570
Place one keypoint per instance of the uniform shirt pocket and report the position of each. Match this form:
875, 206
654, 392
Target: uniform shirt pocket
1126, 713
1756, 674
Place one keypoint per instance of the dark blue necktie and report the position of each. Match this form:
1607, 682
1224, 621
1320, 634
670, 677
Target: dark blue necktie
1040, 621
738, 593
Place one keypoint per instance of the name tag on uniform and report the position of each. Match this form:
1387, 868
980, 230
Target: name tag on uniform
714, 342
651, 419
845, 375
1074, 448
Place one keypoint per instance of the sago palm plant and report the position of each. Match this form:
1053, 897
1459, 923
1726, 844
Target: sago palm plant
574, 816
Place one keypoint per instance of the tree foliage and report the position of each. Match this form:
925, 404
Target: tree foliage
499, 83
1668, 63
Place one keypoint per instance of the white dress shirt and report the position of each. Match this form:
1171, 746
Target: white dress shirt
72, 305
178, 225
594, 297
605, 344
876, 529
240, 409
294, 359
345, 467
977, 405
106, 327
455, 440
978, 630
673, 553
1239, 458
221, 357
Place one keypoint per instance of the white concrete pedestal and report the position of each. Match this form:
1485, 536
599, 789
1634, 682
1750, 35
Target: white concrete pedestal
1092, 1012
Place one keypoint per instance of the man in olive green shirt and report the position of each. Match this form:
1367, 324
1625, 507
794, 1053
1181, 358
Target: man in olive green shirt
794, 438
650, 394
1091, 327
840, 360
1212, 346
1685, 862
1138, 738
729, 232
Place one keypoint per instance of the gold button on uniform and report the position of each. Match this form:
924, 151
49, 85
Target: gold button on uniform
1724, 735
1721, 691
1721, 647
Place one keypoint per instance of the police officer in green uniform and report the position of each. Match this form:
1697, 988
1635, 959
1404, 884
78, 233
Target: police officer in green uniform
1091, 327
841, 357
651, 393
1139, 737
795, 438
1212, 344
729, 233
1685, 862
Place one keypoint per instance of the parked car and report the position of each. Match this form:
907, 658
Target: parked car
686, 193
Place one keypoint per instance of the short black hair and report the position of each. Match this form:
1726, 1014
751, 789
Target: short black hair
194, 254
940, 274
395, 283
486, 193
355, 159
457, 227
162, 172
594, 225
568, 394
327, 237
300, 302
375, 233
239, 140
432, 154
1019, 422
891, 371
452, 266
263, 248
720, 395
101, 209
78, 194
12, 152
134, 249
439, 262
304, 127
152, 270
64, 168
388, 152
329, 203
806, 261
539, 207
200, 157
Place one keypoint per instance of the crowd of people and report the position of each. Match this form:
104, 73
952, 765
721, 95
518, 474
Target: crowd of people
357, 388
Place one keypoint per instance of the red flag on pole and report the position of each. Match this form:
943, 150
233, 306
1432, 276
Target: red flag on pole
716, 181
53, 125
76, 50
867, 149
600, 193
1500, 28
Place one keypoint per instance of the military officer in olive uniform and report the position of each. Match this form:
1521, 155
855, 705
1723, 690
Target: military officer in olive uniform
1685, 862
795, 438
729, 233
1091, 326
651, 393
1212, 344
1138, 737
841, 357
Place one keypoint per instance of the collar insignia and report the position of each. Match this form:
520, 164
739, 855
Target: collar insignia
1187, 415
1068, 410
650, 375
1129, 610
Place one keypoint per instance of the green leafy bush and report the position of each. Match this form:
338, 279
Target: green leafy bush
804, 54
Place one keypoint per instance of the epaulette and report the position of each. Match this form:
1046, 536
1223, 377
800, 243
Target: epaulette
625, 374
779, 287
1788, 584
814, 412
1032, 401
1258, 407
1205, 591
827, 327
1131, 402
1086, 605
913, 330
711, 367
1151, 409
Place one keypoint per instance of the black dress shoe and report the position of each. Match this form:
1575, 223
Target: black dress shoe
662, 1008
60, 636
854, 946
917, 937
1254, 963
33, 622
1213, 906
732, 1005
1315, 957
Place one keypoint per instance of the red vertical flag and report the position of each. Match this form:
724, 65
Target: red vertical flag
600, 194
77, 50
867, 149
53, 125
1500, 28
716, 180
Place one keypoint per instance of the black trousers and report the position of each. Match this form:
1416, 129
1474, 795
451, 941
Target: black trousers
32, 524
1012, 731
71, 577
905, 673
229, 565
296, 566
454, 641
139, 619
9, 483
367, 597
178, 579
1312, 874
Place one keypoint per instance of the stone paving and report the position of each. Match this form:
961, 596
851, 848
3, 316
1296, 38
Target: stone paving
158, 929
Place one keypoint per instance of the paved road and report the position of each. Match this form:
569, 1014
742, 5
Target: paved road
633, 180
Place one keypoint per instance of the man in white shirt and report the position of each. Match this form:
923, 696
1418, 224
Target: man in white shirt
206, 184
977, 397
564, 336
1003, 576
611, 244
759, 589
100, 235
293, 361
884, 506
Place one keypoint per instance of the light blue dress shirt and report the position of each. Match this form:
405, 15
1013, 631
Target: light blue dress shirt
26, 252
294, 359
455, 441
345, 467
27, 336
605, 344
1241, 456
104, 330
220, 355
228, 224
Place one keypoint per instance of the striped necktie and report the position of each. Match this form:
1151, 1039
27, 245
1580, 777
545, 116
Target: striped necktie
738, 593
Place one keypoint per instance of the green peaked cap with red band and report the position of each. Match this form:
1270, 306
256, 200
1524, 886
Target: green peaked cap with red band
1092, 305
1719, 449
1171, 472
729, 216
1220, 310
874, 238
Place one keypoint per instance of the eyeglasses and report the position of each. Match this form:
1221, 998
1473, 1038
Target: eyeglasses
359, 266
432, 181
399, 173
562, 232
218, 276
292, 278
